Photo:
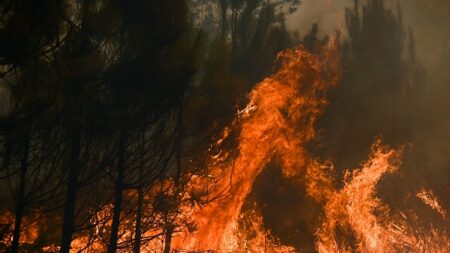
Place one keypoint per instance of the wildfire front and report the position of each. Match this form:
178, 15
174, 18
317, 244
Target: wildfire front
215, 127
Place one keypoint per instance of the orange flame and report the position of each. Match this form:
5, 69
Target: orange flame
429, 199
278, 121
355, 212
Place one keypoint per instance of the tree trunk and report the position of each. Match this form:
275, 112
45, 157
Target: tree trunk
112, 247
140, 196
168, 240
71, 192
223, 14
20, 204
7, 155
137, 239
178, 147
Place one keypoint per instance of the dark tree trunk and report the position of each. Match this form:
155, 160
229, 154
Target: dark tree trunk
168, 240
137, 232
20, 204
140, 196
112, 247
7, 155
178, 147
223, 14
71, 192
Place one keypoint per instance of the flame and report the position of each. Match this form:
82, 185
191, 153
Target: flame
30, 229
253, 237
428, 197
355, 212
278, 121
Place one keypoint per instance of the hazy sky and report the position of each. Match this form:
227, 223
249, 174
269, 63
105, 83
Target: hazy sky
429, 19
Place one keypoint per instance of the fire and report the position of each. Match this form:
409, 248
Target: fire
278, 122
429, 199
252, 237
357, 213
353, 206
30, 225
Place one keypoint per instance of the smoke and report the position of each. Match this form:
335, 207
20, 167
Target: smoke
428, 21
427, 163
328, 14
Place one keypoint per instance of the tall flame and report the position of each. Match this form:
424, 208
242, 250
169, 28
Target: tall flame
278, 123
280, 120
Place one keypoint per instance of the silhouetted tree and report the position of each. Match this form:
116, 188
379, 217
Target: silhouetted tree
29, 36
380, 85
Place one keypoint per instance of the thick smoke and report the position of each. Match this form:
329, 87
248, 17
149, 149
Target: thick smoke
428, 21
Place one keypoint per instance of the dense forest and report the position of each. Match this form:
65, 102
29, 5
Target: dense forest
110, 110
